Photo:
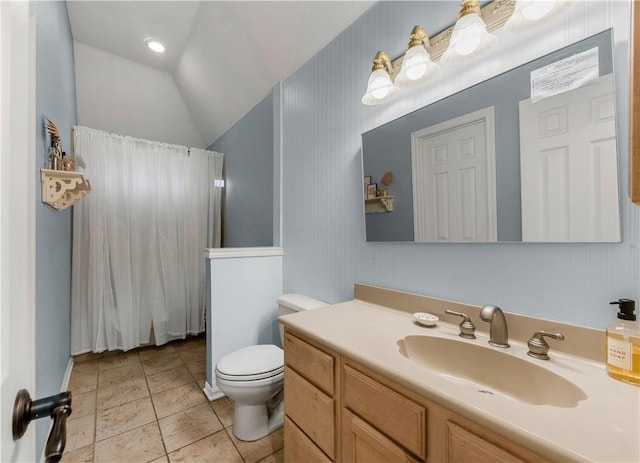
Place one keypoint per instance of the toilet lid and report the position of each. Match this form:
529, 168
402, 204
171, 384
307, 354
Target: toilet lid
250, 362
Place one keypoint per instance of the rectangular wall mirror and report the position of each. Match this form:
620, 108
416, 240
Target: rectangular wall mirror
527, 156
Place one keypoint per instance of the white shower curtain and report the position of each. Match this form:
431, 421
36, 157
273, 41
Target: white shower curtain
138, 241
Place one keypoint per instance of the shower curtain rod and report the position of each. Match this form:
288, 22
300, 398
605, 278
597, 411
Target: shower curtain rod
142, 140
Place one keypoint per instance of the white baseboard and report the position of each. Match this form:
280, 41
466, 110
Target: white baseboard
67, 376
212, 392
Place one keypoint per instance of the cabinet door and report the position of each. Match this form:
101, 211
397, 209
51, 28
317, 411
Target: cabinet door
400, 418
298, 448
465, 447
363, 444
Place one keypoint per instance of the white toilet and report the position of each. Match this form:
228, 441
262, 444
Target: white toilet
253, 376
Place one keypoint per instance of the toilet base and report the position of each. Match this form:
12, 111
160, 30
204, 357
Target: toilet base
252, 422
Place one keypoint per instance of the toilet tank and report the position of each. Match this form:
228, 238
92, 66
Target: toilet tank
293, 302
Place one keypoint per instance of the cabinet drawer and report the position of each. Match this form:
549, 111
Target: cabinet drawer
463, 447
363, 444
401, 419
298, 448
311, 409
309, 361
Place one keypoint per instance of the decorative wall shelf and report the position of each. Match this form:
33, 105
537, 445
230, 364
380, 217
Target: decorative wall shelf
379, 204
62, 189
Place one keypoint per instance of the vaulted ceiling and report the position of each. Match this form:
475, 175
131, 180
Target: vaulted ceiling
225, 56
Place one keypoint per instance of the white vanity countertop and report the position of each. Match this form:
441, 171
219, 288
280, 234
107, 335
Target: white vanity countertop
603, 428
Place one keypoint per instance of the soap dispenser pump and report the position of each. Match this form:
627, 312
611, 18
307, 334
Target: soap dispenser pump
623, 344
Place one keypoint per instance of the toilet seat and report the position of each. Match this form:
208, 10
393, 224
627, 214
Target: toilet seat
251, 363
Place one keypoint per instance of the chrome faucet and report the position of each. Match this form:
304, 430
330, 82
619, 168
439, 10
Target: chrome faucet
467, 328
498, 332
538, 347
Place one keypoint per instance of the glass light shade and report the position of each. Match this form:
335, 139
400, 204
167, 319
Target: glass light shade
417, 67
529, 13
468, 39
379, 88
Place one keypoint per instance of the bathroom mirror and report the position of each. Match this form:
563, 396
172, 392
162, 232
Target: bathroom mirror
527, 156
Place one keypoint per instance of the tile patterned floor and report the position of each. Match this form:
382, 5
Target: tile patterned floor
148, 406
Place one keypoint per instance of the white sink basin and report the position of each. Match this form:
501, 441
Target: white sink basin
491, 371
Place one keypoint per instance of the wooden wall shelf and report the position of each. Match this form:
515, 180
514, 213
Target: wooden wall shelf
379, 204
62, 189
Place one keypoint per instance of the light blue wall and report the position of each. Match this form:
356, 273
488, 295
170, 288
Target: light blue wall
55, 98
248, 166
323, 224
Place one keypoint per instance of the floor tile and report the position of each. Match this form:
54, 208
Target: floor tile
197, 367
169, 379
277, 457
119, 360
119, 374
81, 455
177, 399
90, 366
188, 426
80, 382
256, 450
166, 362
199, 352
148, 353
80, 432
200, 379
224, 410
213, 449
114, 394
139, 445
191, 343
83, 404
149, 402
124, 418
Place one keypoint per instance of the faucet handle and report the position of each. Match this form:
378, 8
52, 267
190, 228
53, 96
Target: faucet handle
538, 347
467, 328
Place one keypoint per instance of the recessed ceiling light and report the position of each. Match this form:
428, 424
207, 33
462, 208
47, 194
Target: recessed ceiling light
154, 45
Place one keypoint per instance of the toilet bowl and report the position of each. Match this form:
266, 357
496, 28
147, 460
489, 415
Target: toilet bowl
253, 377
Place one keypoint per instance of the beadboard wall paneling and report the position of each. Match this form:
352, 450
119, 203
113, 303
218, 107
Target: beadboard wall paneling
322, 212
248, 167
56, 99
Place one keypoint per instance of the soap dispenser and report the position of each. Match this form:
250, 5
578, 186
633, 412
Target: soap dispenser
623, 344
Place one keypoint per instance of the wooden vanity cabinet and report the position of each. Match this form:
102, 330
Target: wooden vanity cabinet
339, 410
310, 407
386, 419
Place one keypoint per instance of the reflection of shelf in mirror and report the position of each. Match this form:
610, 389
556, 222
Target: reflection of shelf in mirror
379, 204
62, 189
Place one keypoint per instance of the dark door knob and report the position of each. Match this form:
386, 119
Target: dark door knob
58, 407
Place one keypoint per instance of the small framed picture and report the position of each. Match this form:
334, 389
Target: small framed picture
367, 180
371, 190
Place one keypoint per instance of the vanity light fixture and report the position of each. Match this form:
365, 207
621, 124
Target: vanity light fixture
470, 36
154, 45
528, 13
417, 66
380, 87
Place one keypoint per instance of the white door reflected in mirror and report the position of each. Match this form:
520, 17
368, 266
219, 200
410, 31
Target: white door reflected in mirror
568, 152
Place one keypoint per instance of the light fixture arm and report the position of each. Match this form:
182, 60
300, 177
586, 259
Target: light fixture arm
381, 61
468, 7
419, 36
